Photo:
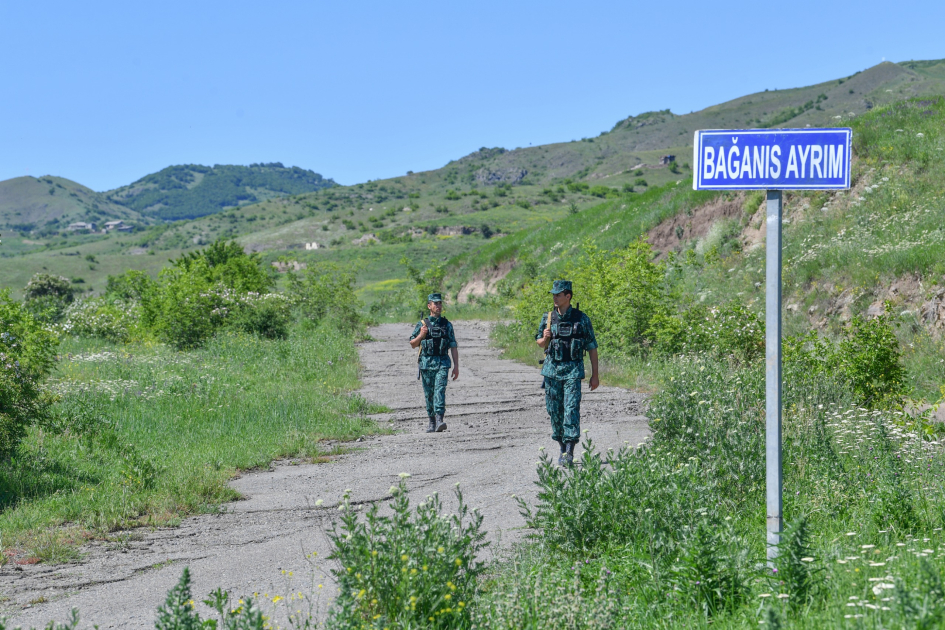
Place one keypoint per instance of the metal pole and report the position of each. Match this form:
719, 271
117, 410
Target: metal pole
773, 371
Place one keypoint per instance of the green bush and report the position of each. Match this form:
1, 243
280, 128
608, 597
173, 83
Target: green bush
578, 187
27, 354
425, 283
47, 296
267, 315
178, 613
103, 318
203, 291
866, 355
226, 263
412, 569
326, 290
729, 330
621, 291
602, 191
186, 309
133, 286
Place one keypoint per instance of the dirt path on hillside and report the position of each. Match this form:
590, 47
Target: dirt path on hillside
497, 422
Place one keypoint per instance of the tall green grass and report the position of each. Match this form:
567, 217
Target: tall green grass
672, 533
147, 435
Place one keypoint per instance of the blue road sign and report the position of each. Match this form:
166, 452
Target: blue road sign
768, 159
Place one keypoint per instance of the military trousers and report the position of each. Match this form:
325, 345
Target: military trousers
563, 402
434, 389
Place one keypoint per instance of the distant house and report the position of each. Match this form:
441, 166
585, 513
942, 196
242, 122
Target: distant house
121, 226
81, 226
667, 159
311, 245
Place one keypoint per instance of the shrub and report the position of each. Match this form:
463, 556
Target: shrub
178, 613
712, 571
227, 264
132, 285
621, 291
185, 311
578, 187
46, 296
103, 318
729, 330
425, 283
27, 354
267, 315
412, 569
44, 284
796, 569
203, 291
867, 355
602, 191
326, 290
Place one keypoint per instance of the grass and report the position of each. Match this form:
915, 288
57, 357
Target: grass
148, 435
630, 538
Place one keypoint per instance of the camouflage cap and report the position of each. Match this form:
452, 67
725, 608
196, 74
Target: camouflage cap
434, 297
561, 286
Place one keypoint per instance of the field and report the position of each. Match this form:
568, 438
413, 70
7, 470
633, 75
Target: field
145, 435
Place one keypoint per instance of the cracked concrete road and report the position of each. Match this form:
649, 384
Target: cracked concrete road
497, 421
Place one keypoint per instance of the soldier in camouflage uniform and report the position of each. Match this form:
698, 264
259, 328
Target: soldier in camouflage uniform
434, 336
565, 339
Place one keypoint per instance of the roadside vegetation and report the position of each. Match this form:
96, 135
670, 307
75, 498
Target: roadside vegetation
135, 408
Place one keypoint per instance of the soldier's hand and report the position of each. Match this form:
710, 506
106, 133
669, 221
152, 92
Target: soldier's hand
547, 333
423, 332
455, 372
595, 382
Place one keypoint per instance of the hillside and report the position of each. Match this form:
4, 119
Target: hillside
874, 249
191, 191
458, 210
48, 204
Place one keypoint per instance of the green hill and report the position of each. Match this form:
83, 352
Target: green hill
48, 204
191, 191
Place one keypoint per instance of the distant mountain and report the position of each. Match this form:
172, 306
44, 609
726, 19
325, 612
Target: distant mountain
191, 191
49, 204
823, 105
636, 139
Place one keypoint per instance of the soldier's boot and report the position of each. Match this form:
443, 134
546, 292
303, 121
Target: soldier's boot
432, 426
568, 455
561, 455
440, 425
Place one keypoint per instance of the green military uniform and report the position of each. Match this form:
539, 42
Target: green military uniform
571, 336
435, 363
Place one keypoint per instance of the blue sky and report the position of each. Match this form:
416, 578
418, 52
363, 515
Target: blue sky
106, 92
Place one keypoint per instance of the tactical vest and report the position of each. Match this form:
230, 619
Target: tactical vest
568, 337
437, 341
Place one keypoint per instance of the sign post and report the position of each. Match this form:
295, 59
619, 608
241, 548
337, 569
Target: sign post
773, 371
772, 160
